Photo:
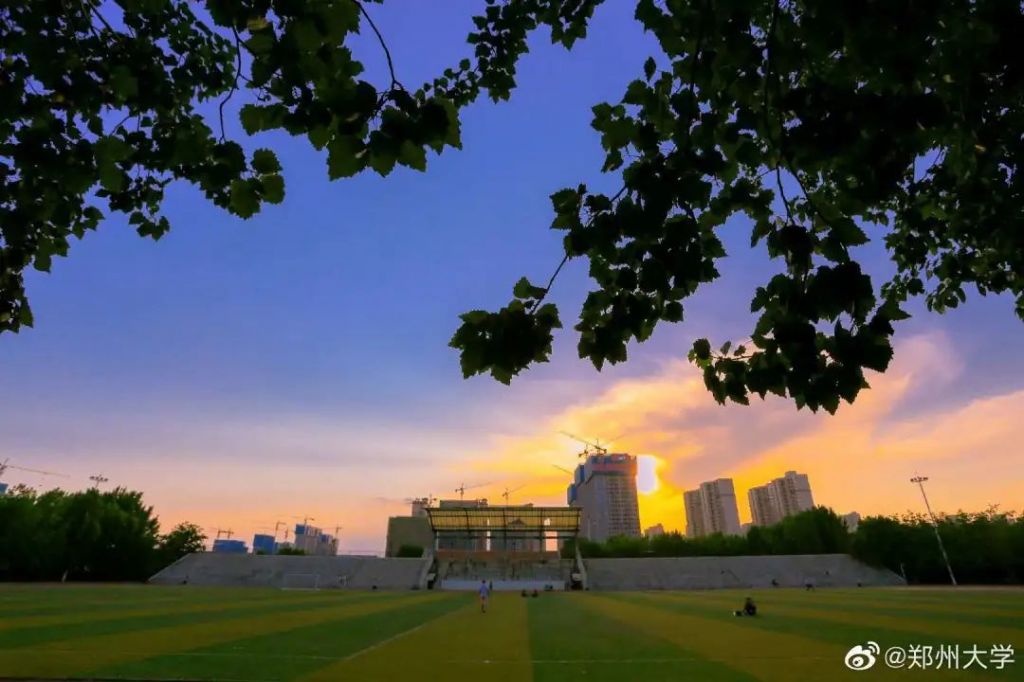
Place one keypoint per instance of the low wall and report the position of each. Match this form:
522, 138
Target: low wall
689, 573
255, 570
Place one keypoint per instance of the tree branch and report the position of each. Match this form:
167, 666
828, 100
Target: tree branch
234, 86
565, 259
387, 53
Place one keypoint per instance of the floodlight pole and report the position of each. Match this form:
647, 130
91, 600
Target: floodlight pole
919, 480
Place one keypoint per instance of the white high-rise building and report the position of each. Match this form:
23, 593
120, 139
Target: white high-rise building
605, 487
784, 496
763, 511
694, 514
711, 508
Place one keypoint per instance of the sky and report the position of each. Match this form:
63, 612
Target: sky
296, 365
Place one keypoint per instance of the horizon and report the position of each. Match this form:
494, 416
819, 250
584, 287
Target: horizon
298, 363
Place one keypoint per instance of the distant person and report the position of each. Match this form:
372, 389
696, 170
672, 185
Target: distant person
749, 608
524, 593
775, 583
485, 592
490, 585
809, 585
534, 592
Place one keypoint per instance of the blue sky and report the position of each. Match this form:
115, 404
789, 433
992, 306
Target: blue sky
313, 337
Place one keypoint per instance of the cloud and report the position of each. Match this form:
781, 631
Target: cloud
860, 459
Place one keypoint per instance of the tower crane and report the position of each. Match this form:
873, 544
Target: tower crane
509, 492
5, 465
461, 490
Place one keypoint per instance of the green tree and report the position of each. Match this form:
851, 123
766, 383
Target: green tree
89, 535
826, 124
185, 538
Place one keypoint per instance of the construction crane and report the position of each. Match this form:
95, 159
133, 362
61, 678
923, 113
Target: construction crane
588, 447
226, 533
5, 465
509, 492
461, 490
429, 498
562, 468
98, 479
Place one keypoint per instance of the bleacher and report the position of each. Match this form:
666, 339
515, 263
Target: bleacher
463, 569
689, 573
309, 572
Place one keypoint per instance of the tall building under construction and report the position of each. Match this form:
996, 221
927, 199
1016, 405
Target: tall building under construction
604, 487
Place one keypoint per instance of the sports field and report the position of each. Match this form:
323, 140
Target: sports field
165, 633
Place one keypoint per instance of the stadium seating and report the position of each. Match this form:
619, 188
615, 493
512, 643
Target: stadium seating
462, 570
819, 570
321, 572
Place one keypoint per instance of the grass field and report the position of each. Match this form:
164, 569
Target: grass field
164, 633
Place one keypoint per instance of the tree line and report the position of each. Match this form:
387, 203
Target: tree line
983, 547
90, 535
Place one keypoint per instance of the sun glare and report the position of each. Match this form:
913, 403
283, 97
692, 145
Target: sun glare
646, 474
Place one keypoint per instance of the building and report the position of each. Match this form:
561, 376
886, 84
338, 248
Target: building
263, 544
694, 514
419, 506
654, 531
781, 497
604, 487
411, 531
312, 540
711, 508
763, 511
472, 541
229, 546
718, 499
851, 520
3, 488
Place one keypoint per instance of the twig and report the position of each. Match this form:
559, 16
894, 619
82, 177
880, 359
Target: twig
96, 13
234, 86
387, 53
565, 259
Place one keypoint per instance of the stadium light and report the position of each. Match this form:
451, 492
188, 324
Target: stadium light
919, 480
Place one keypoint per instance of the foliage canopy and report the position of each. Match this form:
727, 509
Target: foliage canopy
824, 123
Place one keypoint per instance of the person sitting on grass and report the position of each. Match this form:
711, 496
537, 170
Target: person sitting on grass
749, 608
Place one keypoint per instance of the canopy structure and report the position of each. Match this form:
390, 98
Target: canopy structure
512, 521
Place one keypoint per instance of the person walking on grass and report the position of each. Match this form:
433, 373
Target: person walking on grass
485, 592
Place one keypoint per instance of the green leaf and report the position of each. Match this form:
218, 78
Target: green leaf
345, 157
123, 83
649, 67
413, 156
701, 350
112, 178
265, 162
273, 188
244, 202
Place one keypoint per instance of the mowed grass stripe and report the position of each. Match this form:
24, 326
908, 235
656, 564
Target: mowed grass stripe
57, 600
952, 603
123, 606
569, 643
461, 645
75, 657
761, 653
284, 655
89, 625
935, 626
842, 633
